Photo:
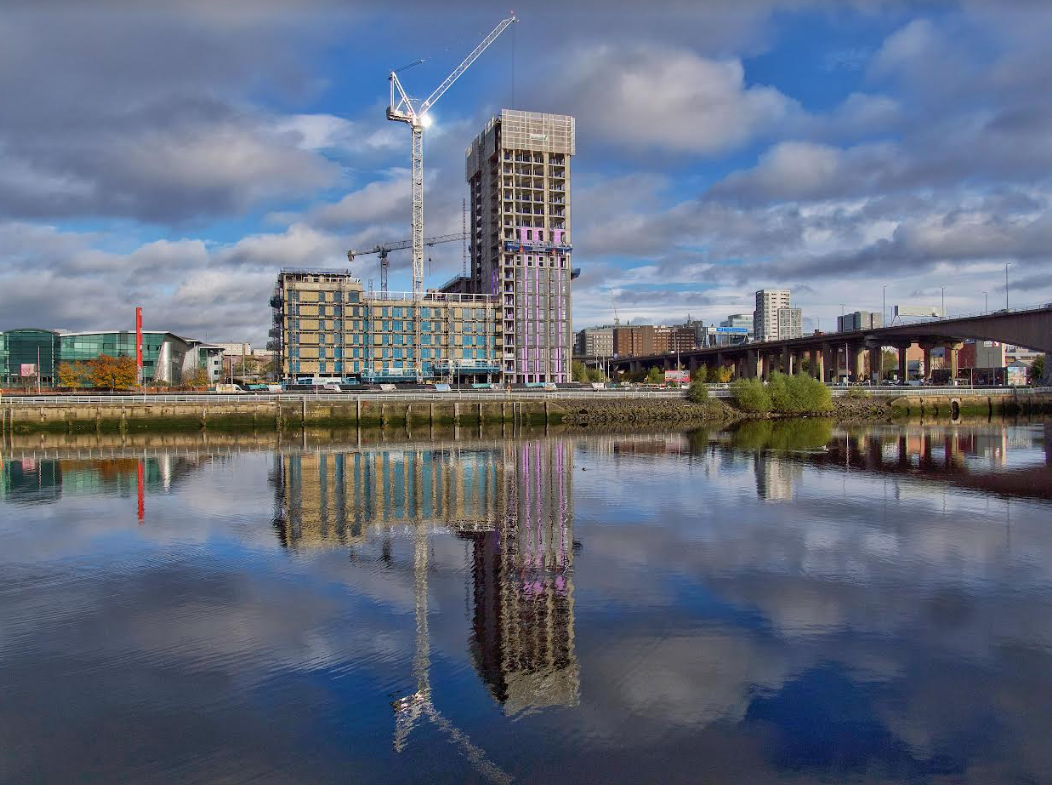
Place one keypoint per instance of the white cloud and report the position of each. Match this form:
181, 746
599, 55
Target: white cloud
671, 99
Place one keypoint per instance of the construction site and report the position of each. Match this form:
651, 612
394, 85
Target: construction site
506, 319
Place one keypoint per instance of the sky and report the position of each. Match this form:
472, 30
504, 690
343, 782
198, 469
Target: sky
176, 155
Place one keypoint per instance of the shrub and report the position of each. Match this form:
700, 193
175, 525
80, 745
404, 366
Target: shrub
798, 394
857, 392
750, 396
698, 392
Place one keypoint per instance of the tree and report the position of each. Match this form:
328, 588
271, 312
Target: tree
655, 376
74, 375
113, 373
751, 396
723, 374
1037, 370
701, 374
595, 375
698, 392
199, 379
798, 394
578, 371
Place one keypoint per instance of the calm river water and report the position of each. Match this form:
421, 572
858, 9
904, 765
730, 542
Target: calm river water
783, 603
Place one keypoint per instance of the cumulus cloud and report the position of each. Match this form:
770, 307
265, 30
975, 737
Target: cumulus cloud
142, 115
651, 97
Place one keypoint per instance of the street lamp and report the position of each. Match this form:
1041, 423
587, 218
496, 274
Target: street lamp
986, 303
1006, 284
884, 306
942, 289
845, 342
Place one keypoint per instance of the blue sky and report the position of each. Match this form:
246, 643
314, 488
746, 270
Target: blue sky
177, 157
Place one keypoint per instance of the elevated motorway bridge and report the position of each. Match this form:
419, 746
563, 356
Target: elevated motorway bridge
1028, 327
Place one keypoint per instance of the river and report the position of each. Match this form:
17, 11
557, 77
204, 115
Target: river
785, 602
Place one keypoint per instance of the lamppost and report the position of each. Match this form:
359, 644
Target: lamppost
884, 305
942, 289
845, 343
1006, 284
986, 303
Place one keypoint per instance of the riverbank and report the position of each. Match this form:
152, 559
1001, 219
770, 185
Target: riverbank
252, 414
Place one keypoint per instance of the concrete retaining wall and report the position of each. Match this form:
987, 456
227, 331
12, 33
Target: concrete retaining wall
263, 414
971, 405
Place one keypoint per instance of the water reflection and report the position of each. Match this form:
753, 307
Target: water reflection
30, 480
784, 602
512, 501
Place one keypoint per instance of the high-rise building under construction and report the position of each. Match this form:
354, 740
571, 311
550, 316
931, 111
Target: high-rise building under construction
518, 171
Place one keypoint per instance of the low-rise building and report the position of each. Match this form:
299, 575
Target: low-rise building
167, 358
326, 327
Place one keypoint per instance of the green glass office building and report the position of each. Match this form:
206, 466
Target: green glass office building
166, 358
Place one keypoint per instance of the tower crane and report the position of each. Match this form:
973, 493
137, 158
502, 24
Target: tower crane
383, 249
414, 113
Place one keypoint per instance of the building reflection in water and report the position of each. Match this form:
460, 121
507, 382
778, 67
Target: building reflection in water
42, 480
513, 501
523, 621
975, 457
330, 499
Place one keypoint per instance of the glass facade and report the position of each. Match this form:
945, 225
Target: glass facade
166, 357
27, 354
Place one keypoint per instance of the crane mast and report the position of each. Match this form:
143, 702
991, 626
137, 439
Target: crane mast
401, 109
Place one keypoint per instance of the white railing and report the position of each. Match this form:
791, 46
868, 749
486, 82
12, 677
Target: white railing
335, 397
715, 391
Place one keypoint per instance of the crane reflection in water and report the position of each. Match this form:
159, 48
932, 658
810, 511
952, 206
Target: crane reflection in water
512, 501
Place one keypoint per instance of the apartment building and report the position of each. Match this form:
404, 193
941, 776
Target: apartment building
518, 173
326, 327
790, 323
765, 317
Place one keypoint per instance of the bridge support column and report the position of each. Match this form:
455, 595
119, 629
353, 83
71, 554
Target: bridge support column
926, 347
951, 352
829, 363
787, 361
876, 364
817, 364
904, 365
752, 360
858, 362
